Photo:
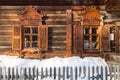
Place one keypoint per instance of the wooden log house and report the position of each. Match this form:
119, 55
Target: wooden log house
70, 30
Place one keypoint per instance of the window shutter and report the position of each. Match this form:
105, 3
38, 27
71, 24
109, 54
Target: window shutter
78, 39
16, 38
117, 39
43, 37
105, 38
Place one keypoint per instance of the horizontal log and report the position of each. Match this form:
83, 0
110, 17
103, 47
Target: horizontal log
5, 49
59, 48
40, 7
57, 44
5, 43
5, 28
56, 25
6, 39
8, 14
57, 34
57, 17
56, 28
47, 22
57, 39
5, 33
9, 17
9, 22
56, 22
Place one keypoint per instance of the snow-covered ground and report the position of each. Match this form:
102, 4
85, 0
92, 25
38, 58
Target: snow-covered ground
14, 61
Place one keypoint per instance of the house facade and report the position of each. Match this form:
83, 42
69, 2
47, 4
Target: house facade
48, 31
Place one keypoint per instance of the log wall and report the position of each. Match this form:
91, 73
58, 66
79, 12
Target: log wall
56, 25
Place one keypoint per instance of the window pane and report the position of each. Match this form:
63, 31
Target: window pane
27, 44
27, 30
94, 38
34, 44
35, 30
86, 30
86, 45
34, 38
27, 38
86, 42
86, 38
94, 30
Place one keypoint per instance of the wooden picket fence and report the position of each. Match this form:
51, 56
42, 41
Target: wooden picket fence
110, 72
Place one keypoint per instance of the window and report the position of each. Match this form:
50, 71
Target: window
30, 36
91, 38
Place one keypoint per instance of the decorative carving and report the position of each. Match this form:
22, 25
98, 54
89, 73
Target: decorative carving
91, 17
30, 16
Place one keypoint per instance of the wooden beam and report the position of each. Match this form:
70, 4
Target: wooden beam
69, 33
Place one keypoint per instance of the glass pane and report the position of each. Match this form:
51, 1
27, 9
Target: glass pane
35, 30
93, 44
86, 42
86, 45
34, 44
86, 38
34, 38
94, 38
86, 30
27, 44
27, 38
94, 30
27, 30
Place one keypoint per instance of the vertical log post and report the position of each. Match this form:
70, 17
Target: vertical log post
69, 33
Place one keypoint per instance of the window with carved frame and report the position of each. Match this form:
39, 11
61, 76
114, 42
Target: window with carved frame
91, 38
30, 36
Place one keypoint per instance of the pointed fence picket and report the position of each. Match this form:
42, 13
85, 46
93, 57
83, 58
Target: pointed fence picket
110, 72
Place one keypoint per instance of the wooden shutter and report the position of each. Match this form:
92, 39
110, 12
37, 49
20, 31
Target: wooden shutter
78, 39
105, 38
43, 37
117, 39
16, 38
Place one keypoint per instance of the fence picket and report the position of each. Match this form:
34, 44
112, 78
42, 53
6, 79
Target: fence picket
13, 73
0, 73
33, 73
4, 75
54, 69
75, 73
67, 72
42, 75
17, 75
59, 73
110, 72
71, 71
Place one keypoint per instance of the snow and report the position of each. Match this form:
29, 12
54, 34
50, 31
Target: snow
14, 61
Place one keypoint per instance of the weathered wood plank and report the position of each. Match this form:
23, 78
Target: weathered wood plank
57, 34
5, 33
57, 39
57, 43
9, 22
8, 17
69, 33
57, 28
55, 22
5, 28
6, 43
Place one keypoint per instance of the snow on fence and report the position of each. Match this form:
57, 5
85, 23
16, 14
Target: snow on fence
111, 72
